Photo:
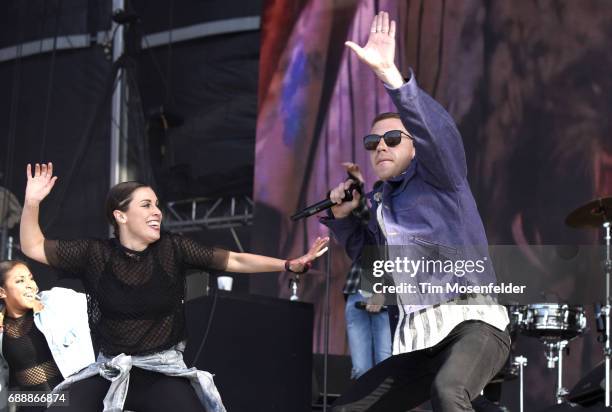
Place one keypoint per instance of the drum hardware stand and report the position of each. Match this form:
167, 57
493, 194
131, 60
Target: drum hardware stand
605, 310
521, 361
597, 214
554, 355
293, 287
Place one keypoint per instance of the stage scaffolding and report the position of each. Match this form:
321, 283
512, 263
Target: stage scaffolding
195, 214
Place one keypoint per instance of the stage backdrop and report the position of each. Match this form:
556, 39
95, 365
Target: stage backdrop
527, 82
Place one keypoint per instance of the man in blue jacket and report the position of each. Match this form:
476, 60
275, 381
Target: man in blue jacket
447, 349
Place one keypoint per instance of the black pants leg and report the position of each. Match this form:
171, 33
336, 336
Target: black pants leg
85, 395
148, 392
154, 392
451, 374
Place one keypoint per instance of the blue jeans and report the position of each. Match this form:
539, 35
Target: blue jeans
369, 336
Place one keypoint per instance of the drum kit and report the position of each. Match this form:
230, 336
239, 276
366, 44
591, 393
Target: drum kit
556, 324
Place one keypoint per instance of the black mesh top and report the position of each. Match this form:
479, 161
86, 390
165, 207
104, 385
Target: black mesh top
134, 299
25, 348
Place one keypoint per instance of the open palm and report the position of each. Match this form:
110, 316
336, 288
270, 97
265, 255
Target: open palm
379, 51
40, 182
303, 263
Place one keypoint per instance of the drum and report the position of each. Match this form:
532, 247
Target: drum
553, 321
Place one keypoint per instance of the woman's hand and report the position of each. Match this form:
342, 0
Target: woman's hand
40, 183
303, 263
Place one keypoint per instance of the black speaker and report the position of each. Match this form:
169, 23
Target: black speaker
258, 348
196, 284
338, 377
589, 389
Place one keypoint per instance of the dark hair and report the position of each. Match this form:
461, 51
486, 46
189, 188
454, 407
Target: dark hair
385, 115
6, 266
119, 198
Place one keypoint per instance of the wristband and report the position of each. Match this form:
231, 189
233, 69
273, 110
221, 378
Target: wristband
288, 268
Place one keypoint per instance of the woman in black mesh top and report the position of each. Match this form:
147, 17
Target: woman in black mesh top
135, 289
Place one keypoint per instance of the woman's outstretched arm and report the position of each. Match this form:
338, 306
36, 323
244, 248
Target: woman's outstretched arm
38, 187
250, 263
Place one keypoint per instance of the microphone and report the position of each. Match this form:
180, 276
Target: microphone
362, 306
325, 204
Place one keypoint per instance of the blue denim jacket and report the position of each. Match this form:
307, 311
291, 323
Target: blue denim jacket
63, 321
430, 205
169, 362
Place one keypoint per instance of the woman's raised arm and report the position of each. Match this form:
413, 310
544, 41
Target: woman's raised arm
38, 187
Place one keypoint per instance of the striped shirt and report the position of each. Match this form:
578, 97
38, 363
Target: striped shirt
421, 327
427, 326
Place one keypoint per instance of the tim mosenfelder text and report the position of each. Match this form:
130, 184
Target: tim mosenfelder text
455, 288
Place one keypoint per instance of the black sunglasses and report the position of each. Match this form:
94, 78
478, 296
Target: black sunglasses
392, 138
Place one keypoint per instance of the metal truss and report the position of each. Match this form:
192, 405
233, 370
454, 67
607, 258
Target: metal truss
210, 213
104, 38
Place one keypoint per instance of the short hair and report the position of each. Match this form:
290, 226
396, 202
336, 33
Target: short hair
385, 115
119, 198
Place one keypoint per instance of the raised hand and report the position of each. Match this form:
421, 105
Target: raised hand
303, 263
354, 170
39, 183
379, 51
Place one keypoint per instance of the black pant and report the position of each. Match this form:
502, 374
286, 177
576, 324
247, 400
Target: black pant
147, 392
451, 374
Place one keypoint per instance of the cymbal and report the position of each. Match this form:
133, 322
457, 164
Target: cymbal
594, 214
